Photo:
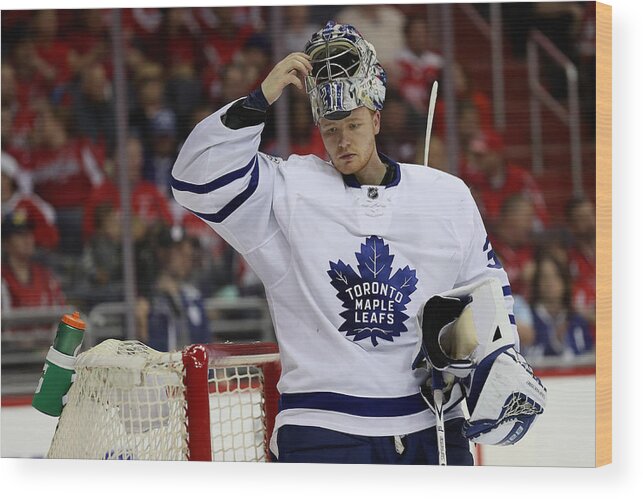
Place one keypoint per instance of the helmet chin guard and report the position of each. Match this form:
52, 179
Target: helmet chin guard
345, 75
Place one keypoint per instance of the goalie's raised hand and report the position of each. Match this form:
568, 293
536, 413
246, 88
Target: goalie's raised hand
291, 70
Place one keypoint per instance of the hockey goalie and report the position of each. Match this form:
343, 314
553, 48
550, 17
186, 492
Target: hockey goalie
470, 352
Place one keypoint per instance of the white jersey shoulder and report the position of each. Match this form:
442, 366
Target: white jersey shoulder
440, 179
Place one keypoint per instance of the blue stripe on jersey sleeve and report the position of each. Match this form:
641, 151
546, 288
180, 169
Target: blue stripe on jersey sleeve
506, 290
215, 184
237, 201
356, 406
512, 319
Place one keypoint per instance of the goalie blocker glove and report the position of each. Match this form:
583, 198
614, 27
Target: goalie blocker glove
504, 397
468, 339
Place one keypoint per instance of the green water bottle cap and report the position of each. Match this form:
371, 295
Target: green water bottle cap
74, 320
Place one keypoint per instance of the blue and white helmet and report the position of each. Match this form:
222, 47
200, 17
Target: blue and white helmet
345, 75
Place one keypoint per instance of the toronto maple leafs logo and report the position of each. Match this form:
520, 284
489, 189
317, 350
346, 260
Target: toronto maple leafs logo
374, 300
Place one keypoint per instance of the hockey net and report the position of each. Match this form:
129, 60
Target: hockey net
209, 402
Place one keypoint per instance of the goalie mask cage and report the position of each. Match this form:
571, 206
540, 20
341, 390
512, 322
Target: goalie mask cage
213, 402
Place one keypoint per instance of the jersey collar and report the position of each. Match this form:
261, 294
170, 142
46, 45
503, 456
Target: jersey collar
351, 181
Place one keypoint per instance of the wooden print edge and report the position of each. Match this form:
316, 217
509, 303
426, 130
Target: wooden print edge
603, 234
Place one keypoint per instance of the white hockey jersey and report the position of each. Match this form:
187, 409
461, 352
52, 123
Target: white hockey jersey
345, 267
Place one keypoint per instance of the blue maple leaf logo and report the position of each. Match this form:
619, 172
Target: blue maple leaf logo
374, 301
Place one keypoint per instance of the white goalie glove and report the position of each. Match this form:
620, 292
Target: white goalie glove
504, 398
467, 338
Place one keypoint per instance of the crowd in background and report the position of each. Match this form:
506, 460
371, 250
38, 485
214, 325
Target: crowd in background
61, 215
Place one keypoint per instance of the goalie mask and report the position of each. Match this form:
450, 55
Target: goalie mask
345, 75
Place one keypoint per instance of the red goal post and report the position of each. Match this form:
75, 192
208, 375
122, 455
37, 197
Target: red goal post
210, 402
198, 360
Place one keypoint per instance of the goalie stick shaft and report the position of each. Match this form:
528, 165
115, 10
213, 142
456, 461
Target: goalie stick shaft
438, 399
429, 121
438, 382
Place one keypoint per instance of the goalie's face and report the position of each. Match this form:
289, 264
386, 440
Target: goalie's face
350, 142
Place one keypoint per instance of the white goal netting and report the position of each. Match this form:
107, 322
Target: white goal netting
129, 402
237, 418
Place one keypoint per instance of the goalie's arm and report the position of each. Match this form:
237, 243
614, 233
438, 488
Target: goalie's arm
221, 176
480, 261
218, 169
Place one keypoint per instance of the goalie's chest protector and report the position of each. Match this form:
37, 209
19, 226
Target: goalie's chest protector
364, 259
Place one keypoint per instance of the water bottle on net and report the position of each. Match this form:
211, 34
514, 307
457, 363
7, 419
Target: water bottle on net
57, 373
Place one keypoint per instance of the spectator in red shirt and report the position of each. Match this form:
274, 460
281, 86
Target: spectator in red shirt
227, 39
89, 38
581, 221
466, 91
51, 54
25, 283
20, 98
148, 203
512, 241
176, 28
64, 169
494, 179
417, 65
17, 199
474, 109
469, 126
